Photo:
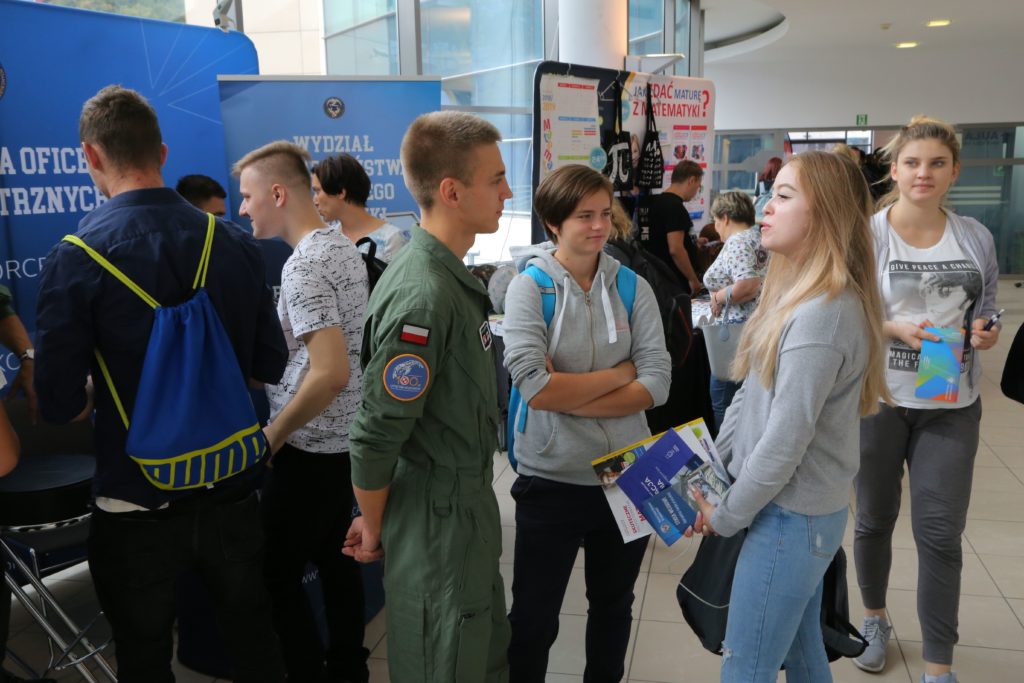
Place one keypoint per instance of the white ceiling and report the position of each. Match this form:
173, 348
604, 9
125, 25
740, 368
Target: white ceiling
842, 25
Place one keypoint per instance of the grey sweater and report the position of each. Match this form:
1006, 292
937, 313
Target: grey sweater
589, 331
797, 444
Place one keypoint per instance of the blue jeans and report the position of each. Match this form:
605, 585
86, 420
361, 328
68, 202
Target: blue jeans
775, 613
722, 391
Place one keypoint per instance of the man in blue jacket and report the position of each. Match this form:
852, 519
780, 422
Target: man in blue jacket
142, 536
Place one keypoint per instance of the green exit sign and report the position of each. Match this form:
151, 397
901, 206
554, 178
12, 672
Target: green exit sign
862, 119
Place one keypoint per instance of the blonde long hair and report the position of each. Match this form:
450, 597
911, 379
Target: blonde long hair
920, 128
839, 256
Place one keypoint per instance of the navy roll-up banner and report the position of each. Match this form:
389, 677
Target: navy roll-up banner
54, 58
328, 115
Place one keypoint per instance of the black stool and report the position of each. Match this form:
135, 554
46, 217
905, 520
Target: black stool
44, 503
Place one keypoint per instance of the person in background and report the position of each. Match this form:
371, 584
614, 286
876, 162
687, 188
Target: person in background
668, 235
734, 279
876, 170
142, 537
424, 438
306, 499
811, 362
14, 337
341, 188
935, 269
586, 376
204, 193
766, 177
852, 153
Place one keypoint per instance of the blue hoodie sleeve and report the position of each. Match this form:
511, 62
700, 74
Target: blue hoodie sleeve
647, 351
526, 337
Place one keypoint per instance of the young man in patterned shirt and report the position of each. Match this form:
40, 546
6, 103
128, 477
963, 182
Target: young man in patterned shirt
307, 498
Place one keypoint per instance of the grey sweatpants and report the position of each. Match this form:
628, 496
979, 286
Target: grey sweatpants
938, 447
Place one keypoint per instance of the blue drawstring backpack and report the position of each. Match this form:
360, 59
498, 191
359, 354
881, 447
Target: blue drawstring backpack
625, 281
193, 424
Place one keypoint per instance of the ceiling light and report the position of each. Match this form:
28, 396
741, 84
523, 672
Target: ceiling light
906, 44
936, 23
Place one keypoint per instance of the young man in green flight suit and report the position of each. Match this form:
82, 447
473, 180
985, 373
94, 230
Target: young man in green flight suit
422, 444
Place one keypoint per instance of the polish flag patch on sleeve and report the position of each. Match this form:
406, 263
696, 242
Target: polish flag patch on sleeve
414, 334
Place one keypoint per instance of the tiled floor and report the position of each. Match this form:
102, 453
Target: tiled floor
662, 648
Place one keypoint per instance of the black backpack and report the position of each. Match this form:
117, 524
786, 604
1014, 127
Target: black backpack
703, 595
673, 301
374, 266
842, 639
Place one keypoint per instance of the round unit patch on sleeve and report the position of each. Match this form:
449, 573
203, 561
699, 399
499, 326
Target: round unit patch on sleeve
406, 377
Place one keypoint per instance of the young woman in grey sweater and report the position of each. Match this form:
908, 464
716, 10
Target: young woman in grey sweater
810, 359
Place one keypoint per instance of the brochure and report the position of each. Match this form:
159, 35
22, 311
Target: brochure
675, 508
938, 371
660, 487
631, 521
654, 472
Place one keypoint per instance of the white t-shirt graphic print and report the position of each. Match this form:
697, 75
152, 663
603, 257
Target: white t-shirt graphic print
938, 284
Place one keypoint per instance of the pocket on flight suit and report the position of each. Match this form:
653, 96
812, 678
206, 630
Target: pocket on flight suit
407, 646
474, 640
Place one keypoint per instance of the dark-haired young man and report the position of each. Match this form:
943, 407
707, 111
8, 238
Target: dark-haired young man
667, 231
204, 193
141, 536
341, 189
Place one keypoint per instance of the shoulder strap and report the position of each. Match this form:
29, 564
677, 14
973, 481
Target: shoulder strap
200, 281
112, 269
625, 280
547, 291
204, 260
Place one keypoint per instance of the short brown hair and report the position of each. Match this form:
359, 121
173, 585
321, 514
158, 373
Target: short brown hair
562, 190
124, 124
734, 205
685, 170
280, 161
438, 146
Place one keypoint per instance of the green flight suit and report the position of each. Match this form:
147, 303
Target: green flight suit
427, 426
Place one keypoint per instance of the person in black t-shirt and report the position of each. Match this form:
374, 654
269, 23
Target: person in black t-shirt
667, 234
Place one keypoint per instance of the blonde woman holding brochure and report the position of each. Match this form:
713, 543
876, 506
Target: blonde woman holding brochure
811, 362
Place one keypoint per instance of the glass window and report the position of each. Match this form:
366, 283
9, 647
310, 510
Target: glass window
361, 38
647, 27
739, 157
167, 10
482, 66
993, 191
682, 36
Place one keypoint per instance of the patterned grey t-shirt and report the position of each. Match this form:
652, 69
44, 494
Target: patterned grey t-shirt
323, 284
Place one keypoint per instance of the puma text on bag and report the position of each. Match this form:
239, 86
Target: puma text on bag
193, 423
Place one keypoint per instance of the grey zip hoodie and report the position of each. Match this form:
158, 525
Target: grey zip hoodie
589, 331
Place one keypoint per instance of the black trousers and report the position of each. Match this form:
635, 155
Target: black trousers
552, 521
307, 510
135, 559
